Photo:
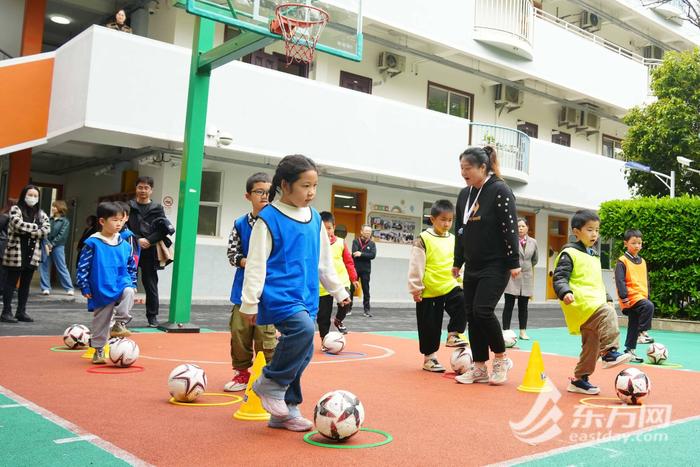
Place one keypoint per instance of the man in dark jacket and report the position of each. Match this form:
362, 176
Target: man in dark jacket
363, 252
143, 213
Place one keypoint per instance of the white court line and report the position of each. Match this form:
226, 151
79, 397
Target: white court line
387, 353
73, 440
9, 406
593, 443
75, 429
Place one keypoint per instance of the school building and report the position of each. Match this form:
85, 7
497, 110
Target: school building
85, 109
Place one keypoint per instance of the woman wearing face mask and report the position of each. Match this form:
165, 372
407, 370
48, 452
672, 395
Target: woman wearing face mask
28, 225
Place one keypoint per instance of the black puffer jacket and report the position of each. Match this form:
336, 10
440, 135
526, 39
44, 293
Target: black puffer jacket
142, 218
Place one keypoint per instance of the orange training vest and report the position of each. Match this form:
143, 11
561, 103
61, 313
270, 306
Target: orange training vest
636, 281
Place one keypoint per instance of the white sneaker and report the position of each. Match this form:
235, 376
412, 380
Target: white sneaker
473, 375
433, 365
500, 371
69, 292
45, 292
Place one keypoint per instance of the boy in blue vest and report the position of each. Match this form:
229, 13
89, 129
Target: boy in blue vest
587, 307
434, 288
106, 276
244, 335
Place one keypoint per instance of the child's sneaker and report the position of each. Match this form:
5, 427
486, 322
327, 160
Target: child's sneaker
341, 327
275, 407
582, 386
473, 375
634, 358
239, 381
291, 424
119, 330
98, 358
644, 339
433, 365
455, 340
499, 375
614, 358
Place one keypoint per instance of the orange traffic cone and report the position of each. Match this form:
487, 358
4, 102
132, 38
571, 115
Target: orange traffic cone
535, 379
91, 351
251, 408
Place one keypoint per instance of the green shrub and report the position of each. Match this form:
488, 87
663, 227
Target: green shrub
671, 233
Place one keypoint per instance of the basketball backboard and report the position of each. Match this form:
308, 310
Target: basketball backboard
342, 35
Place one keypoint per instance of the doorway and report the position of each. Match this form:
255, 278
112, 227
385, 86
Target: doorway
348, 205
557, 237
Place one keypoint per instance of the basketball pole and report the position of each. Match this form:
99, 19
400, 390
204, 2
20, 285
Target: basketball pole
204, 59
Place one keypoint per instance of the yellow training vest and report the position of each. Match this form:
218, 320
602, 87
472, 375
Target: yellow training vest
586, 283
636, 281
337, 255
439, 258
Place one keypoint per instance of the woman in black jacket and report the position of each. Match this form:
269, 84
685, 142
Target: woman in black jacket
487, 246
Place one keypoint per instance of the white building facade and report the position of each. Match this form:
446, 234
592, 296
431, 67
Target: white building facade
547, 86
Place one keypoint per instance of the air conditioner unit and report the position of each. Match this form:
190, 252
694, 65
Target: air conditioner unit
508, 96
391, 63
653, 51
589, 122
569, 117
590, 21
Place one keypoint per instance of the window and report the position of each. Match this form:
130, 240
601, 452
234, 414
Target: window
355, 82
561, 138
606, 248
210, 204
612, 147
450, 101
529, 129
276, 61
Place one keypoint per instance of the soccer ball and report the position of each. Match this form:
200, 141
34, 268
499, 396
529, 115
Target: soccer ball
338, 415
657, 353
76, 335
632, 385
461, 360
123, 352
186, 382
334, 342
509, 338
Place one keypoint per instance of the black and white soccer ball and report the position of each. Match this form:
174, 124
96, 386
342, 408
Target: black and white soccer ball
338, 415
657, 353
76, 335
632, 385
123, 352
334, 342
461, 360
186, 382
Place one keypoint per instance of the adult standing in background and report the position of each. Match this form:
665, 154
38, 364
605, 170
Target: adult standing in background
141, 219
55, 249
27, 227
521, 286
119, 22
363, 252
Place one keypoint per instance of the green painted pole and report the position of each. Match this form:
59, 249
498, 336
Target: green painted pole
190, 182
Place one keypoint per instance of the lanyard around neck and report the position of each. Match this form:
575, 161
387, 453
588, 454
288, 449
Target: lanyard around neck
468, 209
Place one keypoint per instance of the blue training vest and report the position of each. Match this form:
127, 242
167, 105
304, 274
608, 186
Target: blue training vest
291, 284
108, 272
244, 229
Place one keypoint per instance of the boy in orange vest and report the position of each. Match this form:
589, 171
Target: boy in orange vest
345, 268
632, 283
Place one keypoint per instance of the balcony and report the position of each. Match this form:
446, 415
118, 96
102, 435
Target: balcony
505, 24
512, 147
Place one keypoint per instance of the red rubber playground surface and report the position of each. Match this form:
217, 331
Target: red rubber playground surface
433, 420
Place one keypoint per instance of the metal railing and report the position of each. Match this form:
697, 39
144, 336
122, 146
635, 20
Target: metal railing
550, 18
512, 17
651, 66
513, 146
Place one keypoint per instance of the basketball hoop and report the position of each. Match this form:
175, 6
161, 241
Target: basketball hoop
300, 26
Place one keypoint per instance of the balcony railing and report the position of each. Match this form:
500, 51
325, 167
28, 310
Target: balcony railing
651, 66
508, 24
512, 146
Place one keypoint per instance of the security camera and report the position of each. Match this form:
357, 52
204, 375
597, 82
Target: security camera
225, 138
684, 161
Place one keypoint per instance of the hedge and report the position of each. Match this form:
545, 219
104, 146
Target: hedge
671, 247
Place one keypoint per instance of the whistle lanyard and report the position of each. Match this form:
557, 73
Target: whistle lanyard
468, 209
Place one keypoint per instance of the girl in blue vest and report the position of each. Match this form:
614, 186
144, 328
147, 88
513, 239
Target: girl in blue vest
289, 252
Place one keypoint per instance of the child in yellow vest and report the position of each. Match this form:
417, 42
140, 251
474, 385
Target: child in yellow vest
587, 307
434, 288
345, 269
632, 284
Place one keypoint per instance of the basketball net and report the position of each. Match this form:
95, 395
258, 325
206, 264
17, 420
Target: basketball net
300, 26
